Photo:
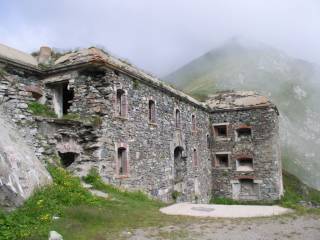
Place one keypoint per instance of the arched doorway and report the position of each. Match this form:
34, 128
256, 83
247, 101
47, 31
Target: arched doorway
180, 166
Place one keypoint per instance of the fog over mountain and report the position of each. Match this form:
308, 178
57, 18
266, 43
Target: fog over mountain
160, 36
291, 83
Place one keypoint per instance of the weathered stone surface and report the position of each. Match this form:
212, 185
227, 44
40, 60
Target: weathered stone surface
262, 146
17, 55
20, 170
53, 235
162, 158
237, 100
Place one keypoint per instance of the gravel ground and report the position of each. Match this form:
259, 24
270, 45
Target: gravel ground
291, 227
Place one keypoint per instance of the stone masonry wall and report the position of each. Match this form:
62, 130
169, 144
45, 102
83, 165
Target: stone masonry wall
96, 133
150, 146
262, 147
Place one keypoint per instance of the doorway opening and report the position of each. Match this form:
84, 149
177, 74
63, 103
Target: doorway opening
179, 165
66, 159
67, 97
62, 98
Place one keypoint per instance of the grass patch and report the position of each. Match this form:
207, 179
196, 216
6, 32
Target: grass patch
39, 109
34, 219
296, 191
82, 216
72, 116
95, 120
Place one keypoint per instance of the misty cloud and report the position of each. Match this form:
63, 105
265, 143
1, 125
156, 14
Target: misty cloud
160, 36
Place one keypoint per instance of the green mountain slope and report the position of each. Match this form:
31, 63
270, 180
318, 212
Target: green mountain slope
294, 85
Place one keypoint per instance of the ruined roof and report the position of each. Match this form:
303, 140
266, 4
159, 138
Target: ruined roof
221, 101
95, 55
88, 56
17, 56
234, 100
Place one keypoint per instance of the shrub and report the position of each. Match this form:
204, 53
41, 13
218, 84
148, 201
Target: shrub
39, 109
72, 116
175, 195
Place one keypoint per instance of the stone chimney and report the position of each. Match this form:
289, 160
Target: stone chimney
44, 55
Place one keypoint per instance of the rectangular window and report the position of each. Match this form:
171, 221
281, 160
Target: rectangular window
247, 188
244, 164
121, 103
193, 123
208, 141
243, 133
152, 111
220, 131
195, 157
122, 161
222, 160
177, 118
62, 98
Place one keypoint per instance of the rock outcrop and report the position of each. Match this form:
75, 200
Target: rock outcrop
20, 170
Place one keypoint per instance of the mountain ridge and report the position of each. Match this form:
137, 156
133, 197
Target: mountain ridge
292, 84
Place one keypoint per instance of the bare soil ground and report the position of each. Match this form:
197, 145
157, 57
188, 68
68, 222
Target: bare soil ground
291, 227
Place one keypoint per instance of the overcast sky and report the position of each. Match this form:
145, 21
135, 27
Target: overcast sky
161, 35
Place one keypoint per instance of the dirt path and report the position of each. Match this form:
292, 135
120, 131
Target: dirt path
273, 228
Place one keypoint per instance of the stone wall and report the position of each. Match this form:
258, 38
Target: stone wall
150, 145
157, 157
262, 147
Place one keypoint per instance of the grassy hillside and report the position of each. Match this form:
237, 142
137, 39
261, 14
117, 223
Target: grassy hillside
82, 216
294, 85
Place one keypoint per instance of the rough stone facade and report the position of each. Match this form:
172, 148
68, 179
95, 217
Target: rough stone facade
259, 151
141, 134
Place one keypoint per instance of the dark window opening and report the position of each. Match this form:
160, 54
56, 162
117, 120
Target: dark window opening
245, 164
116, 72
67, 158
208, 141
193, 122
122, 161
152, 111
67, 97
195, 157
178, 123
220, 131
244, 132
222, 160
121, 103
180, 166
63, 96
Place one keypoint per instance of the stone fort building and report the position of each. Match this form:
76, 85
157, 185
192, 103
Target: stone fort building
138, 132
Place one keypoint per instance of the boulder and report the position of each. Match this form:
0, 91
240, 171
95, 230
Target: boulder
53, 235
21, 172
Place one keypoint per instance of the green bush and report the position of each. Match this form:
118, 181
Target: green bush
39, 109
295, 191
175, 195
